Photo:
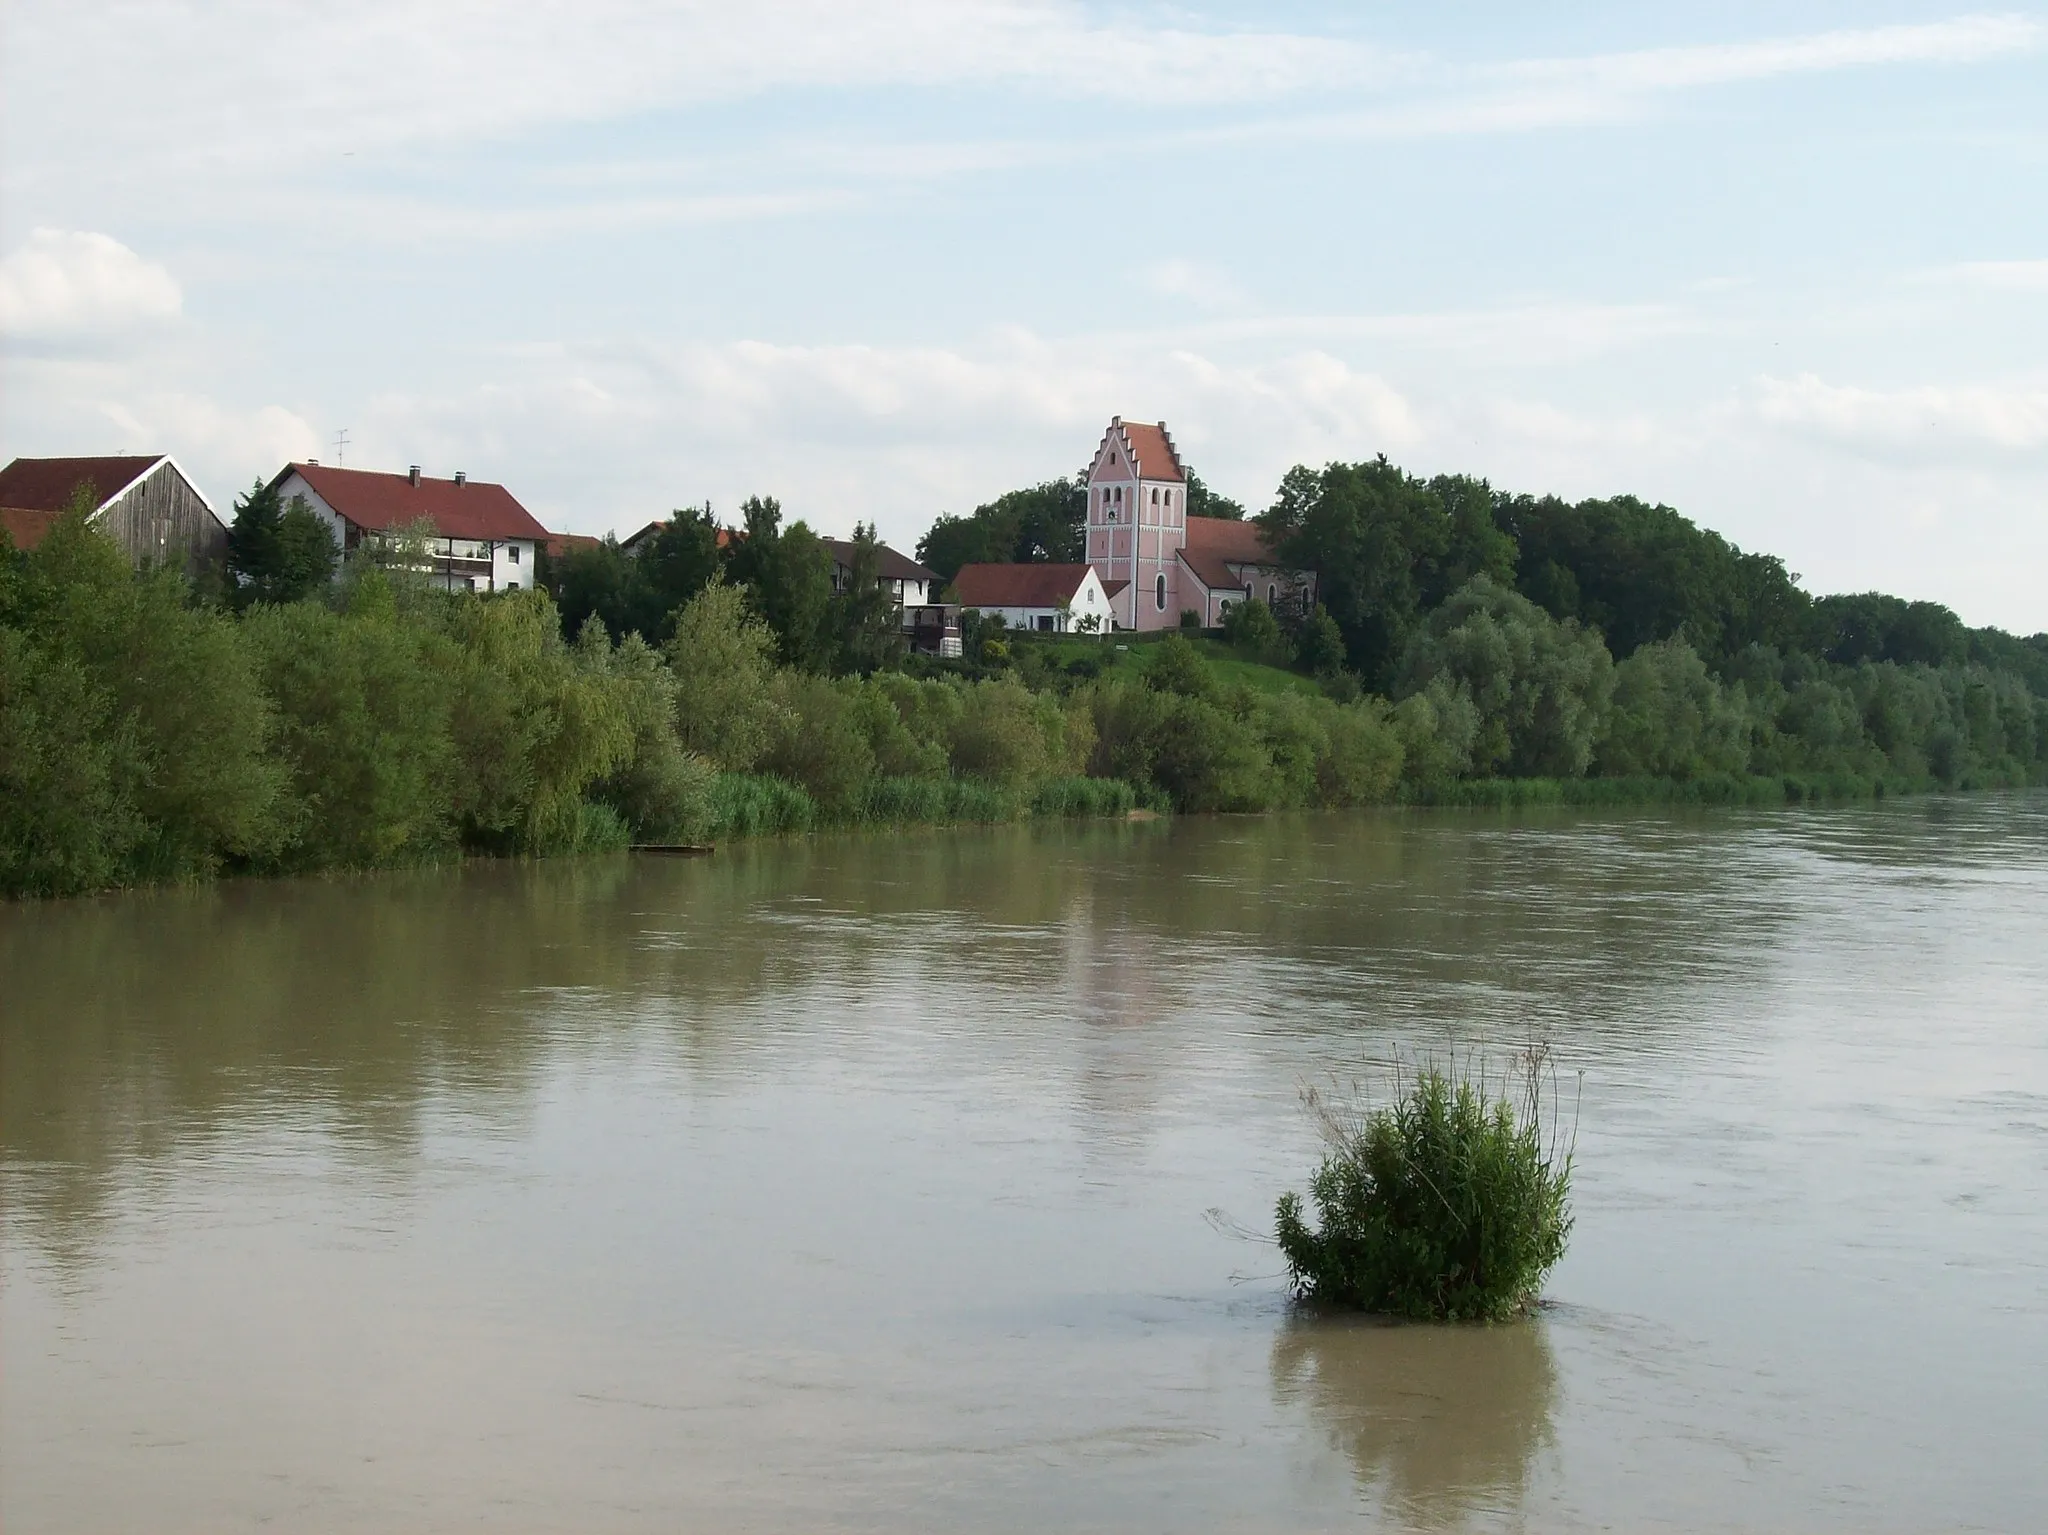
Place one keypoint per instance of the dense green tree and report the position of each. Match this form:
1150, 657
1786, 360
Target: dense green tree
1204, 502
278, 552
1540, 686
865, 619
1253, 630
1041, 523
1671, 719
1869, 626
787, 574
1640, 573
641, 591
1319, 647
1383, 546
723, 658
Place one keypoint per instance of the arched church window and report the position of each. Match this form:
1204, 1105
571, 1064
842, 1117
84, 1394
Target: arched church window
1159, 591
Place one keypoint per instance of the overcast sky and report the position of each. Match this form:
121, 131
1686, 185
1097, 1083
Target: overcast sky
1782, 266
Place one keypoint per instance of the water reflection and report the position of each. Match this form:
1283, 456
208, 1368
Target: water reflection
1439, 1423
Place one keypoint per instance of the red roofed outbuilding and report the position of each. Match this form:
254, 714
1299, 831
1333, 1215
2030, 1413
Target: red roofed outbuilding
479, 537
1051, 599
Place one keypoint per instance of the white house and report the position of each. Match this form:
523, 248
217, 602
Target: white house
481, 538
1157, 560
1051, 599
909, 583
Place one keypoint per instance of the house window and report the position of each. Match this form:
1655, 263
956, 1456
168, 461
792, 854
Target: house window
512, 551
1159, 591
1045, 623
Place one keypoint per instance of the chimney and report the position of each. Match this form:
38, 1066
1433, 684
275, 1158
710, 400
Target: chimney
414, 474
312, 463
461, 478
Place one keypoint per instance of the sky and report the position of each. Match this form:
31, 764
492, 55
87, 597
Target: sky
1783, 267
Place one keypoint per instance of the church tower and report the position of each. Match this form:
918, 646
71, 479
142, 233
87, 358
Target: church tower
1137, 522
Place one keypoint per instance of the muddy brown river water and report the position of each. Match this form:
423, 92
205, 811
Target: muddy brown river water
916, 1183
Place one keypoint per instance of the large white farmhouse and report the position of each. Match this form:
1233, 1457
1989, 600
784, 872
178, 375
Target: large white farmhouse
480, 538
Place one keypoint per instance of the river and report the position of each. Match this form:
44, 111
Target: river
920, 1183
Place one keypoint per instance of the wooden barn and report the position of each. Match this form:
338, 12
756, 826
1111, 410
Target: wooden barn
148, 505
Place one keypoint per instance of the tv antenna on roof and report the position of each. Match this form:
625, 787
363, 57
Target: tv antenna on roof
340, 443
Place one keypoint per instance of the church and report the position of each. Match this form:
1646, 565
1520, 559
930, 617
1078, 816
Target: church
1157, 563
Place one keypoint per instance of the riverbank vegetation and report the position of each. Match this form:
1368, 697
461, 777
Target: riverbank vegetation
1470, 648
1448, 1203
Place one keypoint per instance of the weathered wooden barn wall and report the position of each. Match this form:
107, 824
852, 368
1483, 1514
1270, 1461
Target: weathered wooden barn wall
162, 520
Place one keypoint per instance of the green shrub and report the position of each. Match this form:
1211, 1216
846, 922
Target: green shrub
1450, 1203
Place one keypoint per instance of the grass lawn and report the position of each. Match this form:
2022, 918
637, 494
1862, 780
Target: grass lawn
1126, 653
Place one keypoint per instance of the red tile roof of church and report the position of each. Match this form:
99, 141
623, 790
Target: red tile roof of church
1153, 450
1241, 543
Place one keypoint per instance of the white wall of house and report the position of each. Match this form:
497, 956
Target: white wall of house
295, 485
512, 564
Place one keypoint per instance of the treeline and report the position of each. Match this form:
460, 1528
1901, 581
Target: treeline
1469, 647
150, 731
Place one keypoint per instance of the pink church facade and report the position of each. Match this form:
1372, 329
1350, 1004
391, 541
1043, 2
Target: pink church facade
1156, 561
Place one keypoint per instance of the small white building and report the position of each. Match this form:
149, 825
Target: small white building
478, 536
1048, 599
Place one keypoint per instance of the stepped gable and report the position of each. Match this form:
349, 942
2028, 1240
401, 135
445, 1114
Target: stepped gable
1148, 445
380, 503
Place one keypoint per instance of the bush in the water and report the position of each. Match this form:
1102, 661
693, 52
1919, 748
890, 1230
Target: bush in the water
1450, 1203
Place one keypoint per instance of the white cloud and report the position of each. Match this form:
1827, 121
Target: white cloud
63, 284
2015, 276
393, 73
1962, 40
1928, 419
1198, 284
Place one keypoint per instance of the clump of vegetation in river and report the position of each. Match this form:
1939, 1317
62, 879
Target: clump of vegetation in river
1448, 1203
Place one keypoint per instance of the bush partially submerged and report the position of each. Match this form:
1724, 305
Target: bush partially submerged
1450, 1203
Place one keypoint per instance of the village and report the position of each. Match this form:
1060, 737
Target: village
1150, 563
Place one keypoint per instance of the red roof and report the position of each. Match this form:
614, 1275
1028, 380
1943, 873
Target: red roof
1111, 588
559, 544
1018, 586
1241, 543
25, 526
381, 502
1209, 569
1152, 449
48, 484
